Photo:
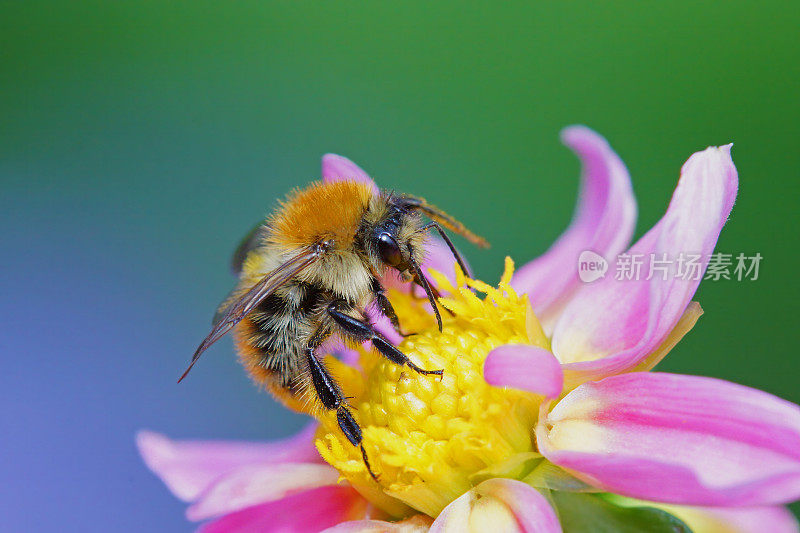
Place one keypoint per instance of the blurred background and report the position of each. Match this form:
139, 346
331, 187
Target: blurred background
140, 141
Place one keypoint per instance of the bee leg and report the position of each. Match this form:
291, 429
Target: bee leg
331, 397
386, 307
361, 331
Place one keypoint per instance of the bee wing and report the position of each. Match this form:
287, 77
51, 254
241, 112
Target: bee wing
248, 243
239, 309
437, 215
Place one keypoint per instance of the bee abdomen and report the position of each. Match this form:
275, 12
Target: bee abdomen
271, 340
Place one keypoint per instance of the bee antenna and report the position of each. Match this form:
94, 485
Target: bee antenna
427, 286
456, 254
436, 214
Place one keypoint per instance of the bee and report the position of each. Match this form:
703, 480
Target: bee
310, 270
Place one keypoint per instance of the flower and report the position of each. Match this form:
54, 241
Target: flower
547, 417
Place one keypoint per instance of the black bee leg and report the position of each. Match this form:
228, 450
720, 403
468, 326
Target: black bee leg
331, 396
352, 431
361, 331
389, 351
430, 291
386, 307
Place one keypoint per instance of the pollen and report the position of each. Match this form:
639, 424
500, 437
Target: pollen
428, 436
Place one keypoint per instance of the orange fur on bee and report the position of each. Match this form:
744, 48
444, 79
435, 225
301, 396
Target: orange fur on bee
321, 211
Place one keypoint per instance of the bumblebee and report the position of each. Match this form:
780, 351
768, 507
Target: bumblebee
309, 272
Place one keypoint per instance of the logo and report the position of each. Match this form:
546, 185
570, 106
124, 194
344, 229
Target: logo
591, 266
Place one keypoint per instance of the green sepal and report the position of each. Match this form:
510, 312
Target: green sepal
592, 513
515, 467
546, 475
532, 468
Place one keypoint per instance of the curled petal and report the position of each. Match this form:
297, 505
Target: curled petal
603, 222
735, 519
254, 484
677, 439
611, 325
685, 324
498, 505
531, 509
524, 367
415, 524
305, 512
190, 467
455, 517
338, 168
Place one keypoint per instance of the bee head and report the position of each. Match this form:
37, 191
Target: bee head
393, 236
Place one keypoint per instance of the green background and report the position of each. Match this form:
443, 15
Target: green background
139, 141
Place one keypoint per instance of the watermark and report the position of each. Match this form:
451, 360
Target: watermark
685, 266
591, 266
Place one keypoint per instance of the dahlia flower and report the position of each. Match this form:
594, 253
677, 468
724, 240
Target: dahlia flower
547, 418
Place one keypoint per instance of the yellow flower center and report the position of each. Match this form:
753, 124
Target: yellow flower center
427, 437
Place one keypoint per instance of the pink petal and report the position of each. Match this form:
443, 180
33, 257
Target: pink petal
190, 467
604, 220
513, 507
611, 325
305, 512
338, 168
337, 347
677, 439
735, 519
455, 517
439, 257
756, 519
415, 524
530, 508
524, 367
384, 325
255, 484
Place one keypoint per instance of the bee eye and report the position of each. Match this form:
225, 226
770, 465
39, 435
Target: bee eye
389, 250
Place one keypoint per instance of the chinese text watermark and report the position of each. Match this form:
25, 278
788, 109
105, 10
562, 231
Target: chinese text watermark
685, 266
